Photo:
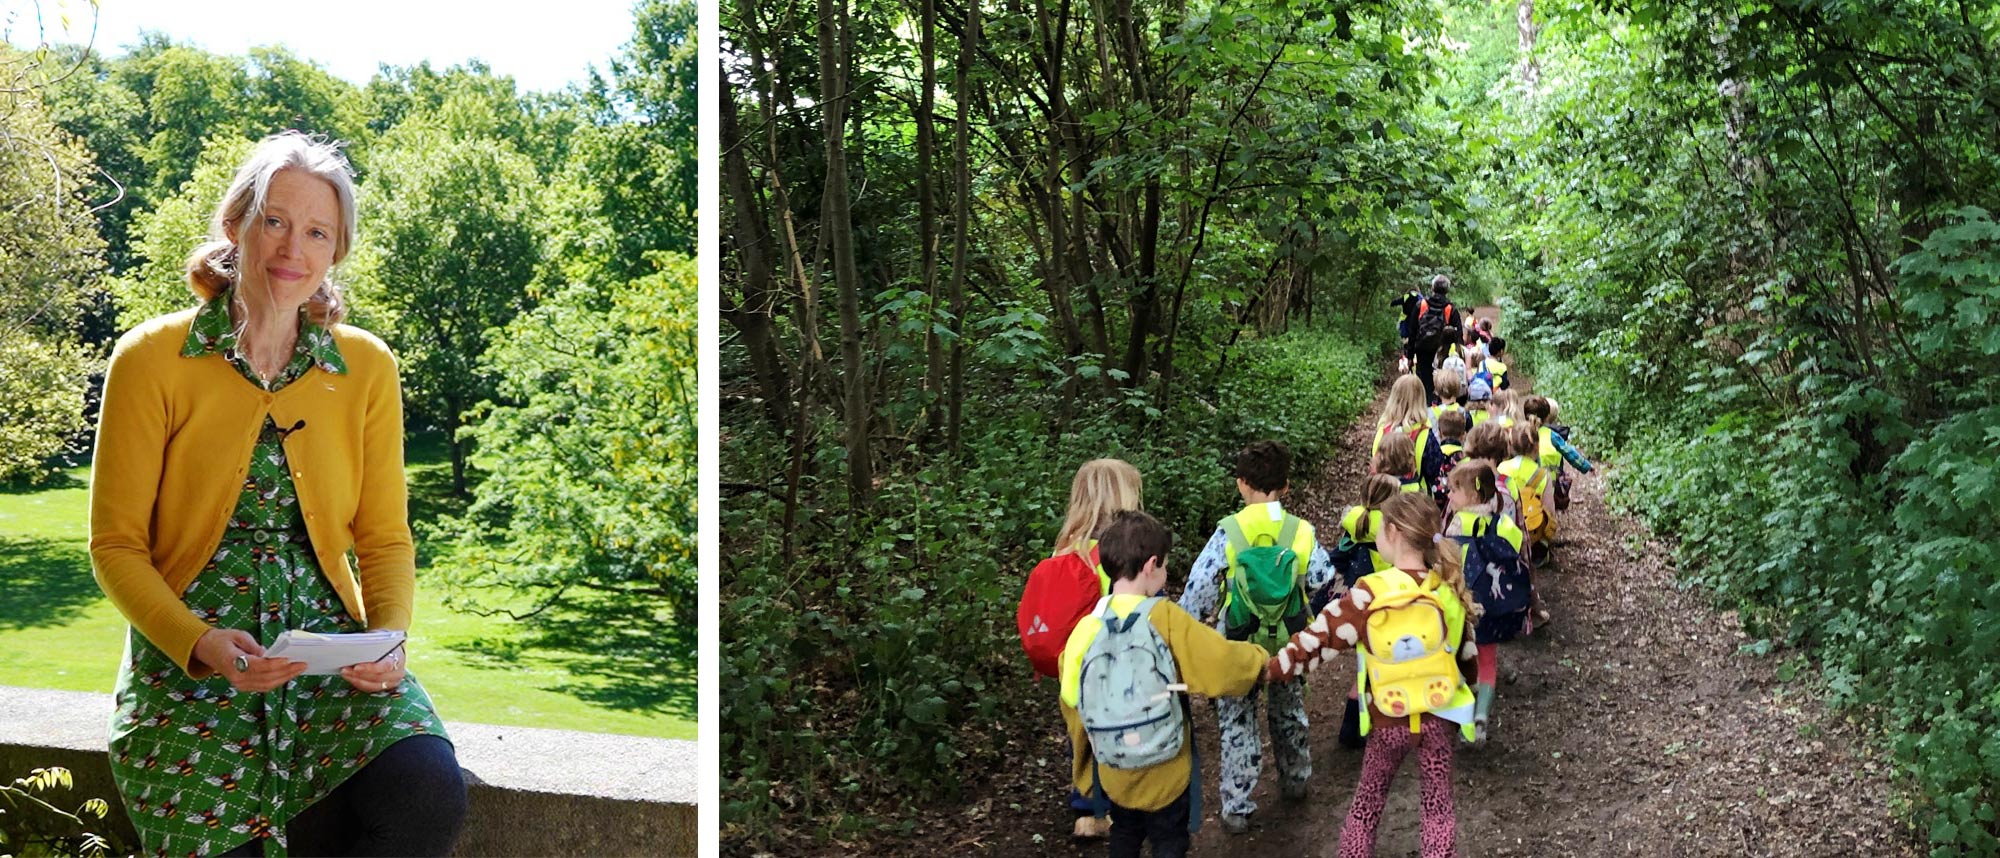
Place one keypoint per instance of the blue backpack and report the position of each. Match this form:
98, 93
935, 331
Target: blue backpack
1480, 385
1495, 573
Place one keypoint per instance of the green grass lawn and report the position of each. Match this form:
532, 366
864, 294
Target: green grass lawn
596, 666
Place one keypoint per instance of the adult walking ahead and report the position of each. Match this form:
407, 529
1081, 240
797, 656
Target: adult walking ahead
245, 446
1435, 317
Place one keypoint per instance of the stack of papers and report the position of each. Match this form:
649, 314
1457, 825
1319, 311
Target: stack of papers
325, 655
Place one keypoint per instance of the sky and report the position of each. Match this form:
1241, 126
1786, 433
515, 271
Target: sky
543, 45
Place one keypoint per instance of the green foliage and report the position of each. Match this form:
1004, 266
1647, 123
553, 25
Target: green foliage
881, 654
591, 476
27, 819
49, 257
644, 167
164, 235
43, 383
454, 223
1755, 259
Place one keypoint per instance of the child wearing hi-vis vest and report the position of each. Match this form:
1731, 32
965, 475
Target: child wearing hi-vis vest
1397, 457
1063, 588
1490, 554
1356, 557
1406, 412
1451, 394
1125, 675
1451, 426
1255, 576
1412, 624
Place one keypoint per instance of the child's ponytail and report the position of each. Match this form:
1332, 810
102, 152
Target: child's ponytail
1537, 409
1377, 489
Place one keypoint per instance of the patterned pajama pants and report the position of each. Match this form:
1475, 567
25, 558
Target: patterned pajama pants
1243, 754
1388, 742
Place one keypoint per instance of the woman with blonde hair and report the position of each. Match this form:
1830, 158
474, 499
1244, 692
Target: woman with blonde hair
244, 448
1067, 585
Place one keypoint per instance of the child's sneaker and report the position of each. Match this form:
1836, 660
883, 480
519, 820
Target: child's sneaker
1235, 824
1482, 706
1091, 828
1295, 792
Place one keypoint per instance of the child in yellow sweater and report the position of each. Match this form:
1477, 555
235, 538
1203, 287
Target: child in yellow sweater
1154, 795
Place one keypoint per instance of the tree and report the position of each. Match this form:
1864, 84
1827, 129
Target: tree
50, 253
453, 245
640, 152
591, 475
164, 235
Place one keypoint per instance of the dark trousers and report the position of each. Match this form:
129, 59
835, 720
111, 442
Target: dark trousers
1427, 375
1167, 828
409, 800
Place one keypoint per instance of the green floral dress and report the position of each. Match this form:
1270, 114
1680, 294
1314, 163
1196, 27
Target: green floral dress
202, 767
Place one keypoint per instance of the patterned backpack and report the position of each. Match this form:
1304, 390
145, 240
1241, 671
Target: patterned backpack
1128, 694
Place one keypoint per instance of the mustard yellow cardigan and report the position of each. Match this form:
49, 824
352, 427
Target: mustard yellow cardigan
174, 438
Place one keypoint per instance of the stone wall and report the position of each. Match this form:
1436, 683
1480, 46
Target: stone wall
532, 791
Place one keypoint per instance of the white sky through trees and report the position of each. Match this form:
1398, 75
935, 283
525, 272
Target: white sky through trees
543, 45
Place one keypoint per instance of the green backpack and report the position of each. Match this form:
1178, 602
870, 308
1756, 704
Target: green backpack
1264, 600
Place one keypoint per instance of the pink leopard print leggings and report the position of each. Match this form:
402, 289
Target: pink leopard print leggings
1389, 741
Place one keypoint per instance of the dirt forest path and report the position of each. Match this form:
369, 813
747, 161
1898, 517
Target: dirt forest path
1628, 726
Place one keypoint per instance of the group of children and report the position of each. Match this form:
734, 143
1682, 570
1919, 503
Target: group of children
1430, 572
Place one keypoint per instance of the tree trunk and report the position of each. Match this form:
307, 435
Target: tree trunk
968, 47
457, 447
1524, 21
836, 224
752, 241
1056, 272
934, 380
1146, 301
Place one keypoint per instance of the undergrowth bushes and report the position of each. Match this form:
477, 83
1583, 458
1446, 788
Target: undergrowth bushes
1858, 527
882, 657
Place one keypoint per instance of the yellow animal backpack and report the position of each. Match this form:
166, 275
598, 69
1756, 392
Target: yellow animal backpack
1525, 480
1410, 652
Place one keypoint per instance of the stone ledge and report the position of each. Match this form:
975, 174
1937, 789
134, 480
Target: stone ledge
532, 791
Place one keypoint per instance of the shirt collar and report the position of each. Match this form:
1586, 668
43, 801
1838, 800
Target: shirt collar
214, 333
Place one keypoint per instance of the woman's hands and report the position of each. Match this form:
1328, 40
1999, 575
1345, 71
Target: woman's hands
221, 648
377, 675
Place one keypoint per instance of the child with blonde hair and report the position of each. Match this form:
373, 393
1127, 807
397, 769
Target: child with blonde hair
1533, 493
1451, 394
1407, 412
1506, 408
1064, 587
1419, 699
